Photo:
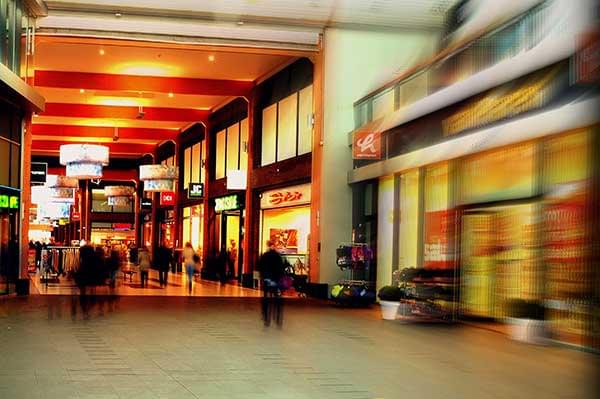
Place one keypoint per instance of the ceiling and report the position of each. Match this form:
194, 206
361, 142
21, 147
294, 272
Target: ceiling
347, 13
148, 91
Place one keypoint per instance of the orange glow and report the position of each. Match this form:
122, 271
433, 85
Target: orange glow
211, 58
102, 52
145, 69
82, 91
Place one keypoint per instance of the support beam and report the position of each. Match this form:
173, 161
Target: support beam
100, 81
125, 133
118, 112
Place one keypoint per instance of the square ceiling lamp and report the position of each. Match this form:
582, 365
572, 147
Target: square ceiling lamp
158, 178
84, 161
119, 195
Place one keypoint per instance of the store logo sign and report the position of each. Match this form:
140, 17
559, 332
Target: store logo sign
39, 170
196, 190
366, 145
286, 197
146, 203
9, 202
167, 198
228, 203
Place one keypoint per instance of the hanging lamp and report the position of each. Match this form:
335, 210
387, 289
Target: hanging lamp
158, 178
84, 161
119, 195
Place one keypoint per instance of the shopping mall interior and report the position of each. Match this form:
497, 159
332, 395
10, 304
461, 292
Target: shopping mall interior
415, 182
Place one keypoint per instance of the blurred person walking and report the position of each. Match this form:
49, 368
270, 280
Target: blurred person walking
164, 258
190, 265
114, 264
144, 262
271, 267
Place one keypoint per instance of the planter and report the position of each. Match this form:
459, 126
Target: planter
528, 330
389, 309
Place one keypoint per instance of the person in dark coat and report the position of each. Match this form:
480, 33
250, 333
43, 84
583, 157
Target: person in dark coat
222, 262
164, 258
271, 268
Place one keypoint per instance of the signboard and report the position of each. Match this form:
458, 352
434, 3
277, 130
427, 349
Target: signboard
237, 179
146, 203
39, 171
366, 145
76, 216
121, 226
289, 196
167, 198
196, 190
9, 201
228, 203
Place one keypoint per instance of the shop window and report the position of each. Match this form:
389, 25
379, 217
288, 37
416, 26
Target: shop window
187, 166
288, 227
269, 135
100, 204
438, 218
193, 164
15, 165
4, 156
410, 210
220, 156
305, 120
287, 120
287, 127
193, 229
244, 144
383, 104
233, 148
169, 161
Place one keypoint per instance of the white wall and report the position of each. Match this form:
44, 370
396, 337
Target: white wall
355, 63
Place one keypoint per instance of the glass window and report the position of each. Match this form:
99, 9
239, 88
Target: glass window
287, 125
100, 203
269, 133
438, 219
220, 155
233, 147
409, 219
187, 164
4, 157
383, 104
196, 160
15, 166
244, 144
305, 116
202, 161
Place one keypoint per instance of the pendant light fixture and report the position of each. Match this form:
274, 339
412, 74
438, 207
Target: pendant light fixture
84, 161
158, 178
119, 195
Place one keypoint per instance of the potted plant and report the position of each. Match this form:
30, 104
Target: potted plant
526, 319
389, 299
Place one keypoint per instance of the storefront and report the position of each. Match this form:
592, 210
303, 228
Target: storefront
166, 224
229, 231
192, 224
110, 234
285, 220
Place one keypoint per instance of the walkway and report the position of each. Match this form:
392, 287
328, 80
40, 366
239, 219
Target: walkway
168, 347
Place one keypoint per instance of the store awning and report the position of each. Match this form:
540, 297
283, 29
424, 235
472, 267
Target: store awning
26, 95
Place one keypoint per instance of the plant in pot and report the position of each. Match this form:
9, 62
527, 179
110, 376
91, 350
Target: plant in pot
389, 299
526, 319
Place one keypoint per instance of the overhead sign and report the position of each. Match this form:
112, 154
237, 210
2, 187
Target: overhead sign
76, 216
121, 226
167, 198
39, 171
289, 196
146, 203
237, 179
366, 145
228, 203
196, 190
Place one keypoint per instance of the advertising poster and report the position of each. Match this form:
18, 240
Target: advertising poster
439, 228
286, 240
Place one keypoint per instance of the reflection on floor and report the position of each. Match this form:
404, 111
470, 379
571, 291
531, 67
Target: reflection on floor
177, 286
217, 348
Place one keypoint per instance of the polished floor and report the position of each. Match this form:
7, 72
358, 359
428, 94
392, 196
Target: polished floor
130, 285
175, 347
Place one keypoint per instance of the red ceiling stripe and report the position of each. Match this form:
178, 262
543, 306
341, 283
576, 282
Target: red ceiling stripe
117, 112
99, 81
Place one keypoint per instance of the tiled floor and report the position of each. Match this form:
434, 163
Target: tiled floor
174, 347
177, 286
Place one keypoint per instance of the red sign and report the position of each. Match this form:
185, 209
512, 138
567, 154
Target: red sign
167, 198
280, 197
439, 230
366, 145
76, 216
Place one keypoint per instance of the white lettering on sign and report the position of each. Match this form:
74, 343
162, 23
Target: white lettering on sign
228, 203
367, 143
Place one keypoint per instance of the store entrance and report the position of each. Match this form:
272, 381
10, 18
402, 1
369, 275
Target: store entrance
9, 251
230, 240
499, 259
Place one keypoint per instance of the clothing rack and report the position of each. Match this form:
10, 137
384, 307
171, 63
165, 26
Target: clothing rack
67, 261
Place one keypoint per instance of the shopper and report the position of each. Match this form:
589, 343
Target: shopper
164, 258
222, 261
144, 262
190, 265
114, 264
271, 267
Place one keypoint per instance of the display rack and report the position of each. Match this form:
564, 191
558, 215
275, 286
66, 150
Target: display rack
354, 259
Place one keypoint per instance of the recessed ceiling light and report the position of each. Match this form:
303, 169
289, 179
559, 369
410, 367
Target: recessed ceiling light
240, 23
170, 95
102, 52
211, 58
82, 91
118, 15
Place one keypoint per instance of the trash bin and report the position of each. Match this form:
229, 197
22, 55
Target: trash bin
22, 286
